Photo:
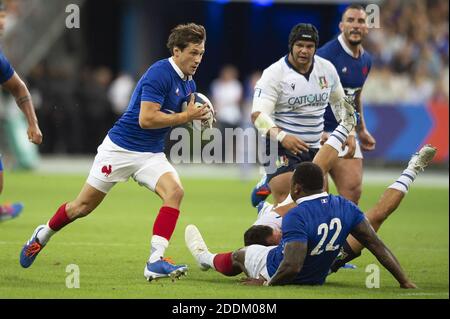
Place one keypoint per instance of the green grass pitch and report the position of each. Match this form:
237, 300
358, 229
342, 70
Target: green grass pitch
112, 244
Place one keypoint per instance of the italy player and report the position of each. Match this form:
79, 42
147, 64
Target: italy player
12, 83
353, 64
134, 148
289, 103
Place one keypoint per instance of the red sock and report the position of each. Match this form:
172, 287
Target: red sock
165, 222
224, 264
60, 219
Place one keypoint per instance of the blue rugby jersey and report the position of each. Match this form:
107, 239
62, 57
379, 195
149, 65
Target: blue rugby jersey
323, 221
352, 72
163, 83
6, 70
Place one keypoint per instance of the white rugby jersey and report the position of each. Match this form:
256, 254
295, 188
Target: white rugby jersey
268, 217
299, 102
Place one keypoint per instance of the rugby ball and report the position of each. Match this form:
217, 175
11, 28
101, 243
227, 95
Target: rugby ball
199, 100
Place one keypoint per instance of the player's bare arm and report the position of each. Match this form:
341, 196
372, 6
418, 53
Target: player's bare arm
23, 100
366, 140
294, 257
265, 125
151, 117
365, 234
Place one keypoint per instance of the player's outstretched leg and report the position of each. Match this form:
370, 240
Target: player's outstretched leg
171, 192
197, 246
260, 192
222, 262
388, 202
88, 199
10, 211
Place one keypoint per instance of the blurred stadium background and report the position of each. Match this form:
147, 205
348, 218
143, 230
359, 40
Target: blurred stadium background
81, 78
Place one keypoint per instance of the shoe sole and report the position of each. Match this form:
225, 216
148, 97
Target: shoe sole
176, 274
426, 153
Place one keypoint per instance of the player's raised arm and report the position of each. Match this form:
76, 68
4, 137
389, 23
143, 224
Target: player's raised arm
151, 117
291, 265
365, 234
23, 99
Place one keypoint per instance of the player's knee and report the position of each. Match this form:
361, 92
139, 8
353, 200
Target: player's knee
176, 194
238, 257
352, 193
376, 219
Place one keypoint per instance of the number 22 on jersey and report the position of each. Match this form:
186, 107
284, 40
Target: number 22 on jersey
323, 230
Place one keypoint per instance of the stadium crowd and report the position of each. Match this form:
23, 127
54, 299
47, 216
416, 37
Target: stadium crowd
410, 53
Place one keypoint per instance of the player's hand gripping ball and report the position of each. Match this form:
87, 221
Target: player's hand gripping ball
200, 100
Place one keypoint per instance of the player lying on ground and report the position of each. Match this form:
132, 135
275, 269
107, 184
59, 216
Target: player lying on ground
267, 229
10, 81
134, 148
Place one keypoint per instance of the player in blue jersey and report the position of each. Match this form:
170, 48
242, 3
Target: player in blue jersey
10, 81
317, 227
313, 233
134, 148
269, 227
353, 64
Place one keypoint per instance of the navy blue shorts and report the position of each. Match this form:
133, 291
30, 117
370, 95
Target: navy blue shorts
286, 161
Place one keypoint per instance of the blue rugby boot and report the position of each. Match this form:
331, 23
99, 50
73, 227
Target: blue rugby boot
31, 249
164, 267
10, 211
260, 192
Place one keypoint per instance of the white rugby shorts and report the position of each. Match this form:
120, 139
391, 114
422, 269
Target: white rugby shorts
256, 261
114, 164
358, 152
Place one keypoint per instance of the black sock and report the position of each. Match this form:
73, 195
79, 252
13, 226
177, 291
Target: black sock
346, 254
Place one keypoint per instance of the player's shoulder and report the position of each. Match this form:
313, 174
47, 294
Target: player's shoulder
330, 49
276, 68
367, 57
3, 57
159, 71
324, 64
160, 66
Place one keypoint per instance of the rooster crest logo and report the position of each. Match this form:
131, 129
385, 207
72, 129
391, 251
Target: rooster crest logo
107, 170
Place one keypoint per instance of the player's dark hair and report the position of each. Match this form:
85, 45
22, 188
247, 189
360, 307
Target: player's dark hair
310, 177
305, 32
257, 235
183, 34
353, 6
